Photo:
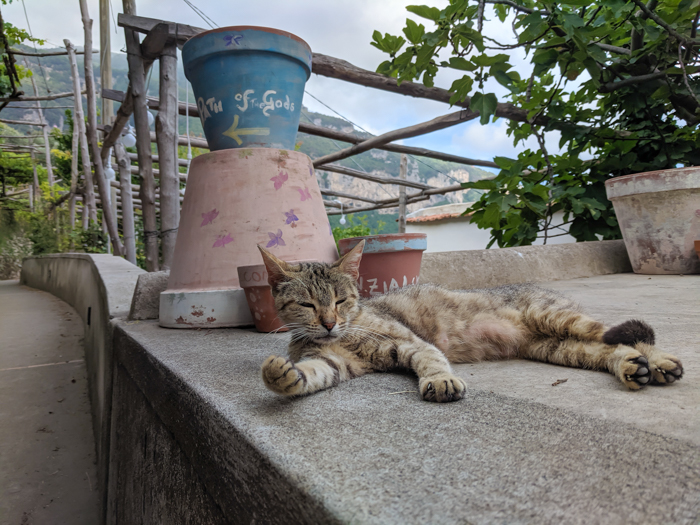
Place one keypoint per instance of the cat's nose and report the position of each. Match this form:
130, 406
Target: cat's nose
329, 325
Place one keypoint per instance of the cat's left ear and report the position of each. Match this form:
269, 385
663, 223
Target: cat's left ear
276, 269
350, 262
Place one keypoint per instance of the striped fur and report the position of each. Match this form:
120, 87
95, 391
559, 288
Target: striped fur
337, 336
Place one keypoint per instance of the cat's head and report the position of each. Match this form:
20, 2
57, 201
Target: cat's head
317, 301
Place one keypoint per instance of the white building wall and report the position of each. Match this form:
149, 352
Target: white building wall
450, 235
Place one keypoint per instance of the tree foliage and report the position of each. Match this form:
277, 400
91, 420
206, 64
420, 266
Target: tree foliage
617, 79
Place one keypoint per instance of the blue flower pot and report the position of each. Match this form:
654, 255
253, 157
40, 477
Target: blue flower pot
248, 83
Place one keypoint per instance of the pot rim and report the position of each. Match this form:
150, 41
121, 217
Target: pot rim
264, 29
653, 182
386, 243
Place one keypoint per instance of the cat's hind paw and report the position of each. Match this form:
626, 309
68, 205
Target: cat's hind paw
282, 377
442, 388
635, 372
665, 369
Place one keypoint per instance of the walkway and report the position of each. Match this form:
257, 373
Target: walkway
47, 449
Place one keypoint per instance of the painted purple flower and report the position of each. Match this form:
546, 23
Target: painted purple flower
275, 239
279, 179
304, 193
291, 218
209, 217
233, 39
311, 170
222, 240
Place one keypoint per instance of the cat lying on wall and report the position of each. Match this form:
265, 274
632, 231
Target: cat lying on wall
337, 336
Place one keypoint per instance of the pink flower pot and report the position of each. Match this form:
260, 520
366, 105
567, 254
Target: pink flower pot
389, 261
238, 199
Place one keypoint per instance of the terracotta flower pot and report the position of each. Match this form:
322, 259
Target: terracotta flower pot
389, 261
253, 280
659, 215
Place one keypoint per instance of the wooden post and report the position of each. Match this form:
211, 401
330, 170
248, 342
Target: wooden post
166, 137
137, 79
127, 202
31, 197
403, 168
102, 184
105, 62
89, 205
36, 177
44, 128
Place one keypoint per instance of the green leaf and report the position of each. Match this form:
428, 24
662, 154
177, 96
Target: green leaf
414, 32
481, 185
431, 13
462, 64
485, 105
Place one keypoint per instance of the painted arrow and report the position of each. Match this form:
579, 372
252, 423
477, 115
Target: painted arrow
234, 131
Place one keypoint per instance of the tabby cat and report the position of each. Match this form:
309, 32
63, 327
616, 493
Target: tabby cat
336, 336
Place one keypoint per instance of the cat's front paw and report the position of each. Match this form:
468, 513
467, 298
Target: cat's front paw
281, 376
442, 388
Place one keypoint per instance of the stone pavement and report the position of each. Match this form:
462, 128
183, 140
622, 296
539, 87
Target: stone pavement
517, 449
47, 449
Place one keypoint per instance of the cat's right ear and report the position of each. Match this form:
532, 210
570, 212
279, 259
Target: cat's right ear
350, 262
277, 269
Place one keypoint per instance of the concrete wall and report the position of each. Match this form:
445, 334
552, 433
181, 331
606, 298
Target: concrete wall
484, 268
100, 288
168, 452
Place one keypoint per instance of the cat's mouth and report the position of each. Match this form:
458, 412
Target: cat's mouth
327, 339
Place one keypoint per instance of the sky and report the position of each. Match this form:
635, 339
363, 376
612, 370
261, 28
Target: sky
339, 28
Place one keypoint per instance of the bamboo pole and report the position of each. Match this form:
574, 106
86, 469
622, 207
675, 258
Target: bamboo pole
107, 215
403, 168
79, 120
36, 178
37, 97
44, 128
127, 203
105, 61
48, 54
137, 80
411, 131
166, 137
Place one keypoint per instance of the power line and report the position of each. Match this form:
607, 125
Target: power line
29, 27
201, 14
351, 158
363, 129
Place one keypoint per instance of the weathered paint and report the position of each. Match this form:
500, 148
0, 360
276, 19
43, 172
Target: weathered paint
388, 242
389, 261
204, 309
659, 216
248, 84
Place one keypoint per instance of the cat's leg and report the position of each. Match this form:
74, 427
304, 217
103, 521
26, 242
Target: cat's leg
630, 365
307, 376
436, 382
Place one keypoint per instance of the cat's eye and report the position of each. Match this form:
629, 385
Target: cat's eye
341, 301
307, 305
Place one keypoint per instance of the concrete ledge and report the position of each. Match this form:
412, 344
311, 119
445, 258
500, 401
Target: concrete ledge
194, 437
100, 288
487, 268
